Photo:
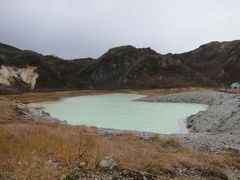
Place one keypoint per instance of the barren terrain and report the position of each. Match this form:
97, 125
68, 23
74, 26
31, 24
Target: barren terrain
31, 148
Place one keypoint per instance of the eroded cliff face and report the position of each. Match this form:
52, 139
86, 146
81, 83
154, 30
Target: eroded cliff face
9, 76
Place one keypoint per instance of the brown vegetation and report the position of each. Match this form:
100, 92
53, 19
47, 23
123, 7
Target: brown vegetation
30, 151
50, 151
8, 111
31, 97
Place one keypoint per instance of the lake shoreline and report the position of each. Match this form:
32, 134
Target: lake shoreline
33, 97
202, 135
216, 128
23, 127
122, 111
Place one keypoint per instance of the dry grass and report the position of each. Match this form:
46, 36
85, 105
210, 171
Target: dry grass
7, 110
46, 151
31, 97
27, 149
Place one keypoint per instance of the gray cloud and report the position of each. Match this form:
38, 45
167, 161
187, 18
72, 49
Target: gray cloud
87, 28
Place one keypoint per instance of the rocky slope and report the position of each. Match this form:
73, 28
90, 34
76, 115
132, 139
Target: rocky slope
10, 76
212, 64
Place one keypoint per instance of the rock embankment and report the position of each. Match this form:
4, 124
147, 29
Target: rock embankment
36, 114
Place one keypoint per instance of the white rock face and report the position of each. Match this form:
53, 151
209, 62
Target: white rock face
9, 75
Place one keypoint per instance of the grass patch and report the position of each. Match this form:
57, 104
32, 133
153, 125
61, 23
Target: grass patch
173, 143
155, 138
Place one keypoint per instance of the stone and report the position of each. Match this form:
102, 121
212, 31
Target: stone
82, 164
107, 163
63, 177
51, 164
144, 178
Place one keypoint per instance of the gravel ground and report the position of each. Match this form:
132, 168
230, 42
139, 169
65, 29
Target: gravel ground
222, 115
215, 129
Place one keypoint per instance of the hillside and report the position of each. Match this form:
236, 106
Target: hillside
212, 64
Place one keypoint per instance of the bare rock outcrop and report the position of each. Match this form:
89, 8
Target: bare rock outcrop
9, 76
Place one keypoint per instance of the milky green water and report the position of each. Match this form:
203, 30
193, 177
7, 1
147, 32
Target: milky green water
119, 111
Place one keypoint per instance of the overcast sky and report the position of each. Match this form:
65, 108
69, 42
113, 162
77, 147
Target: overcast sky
87, 28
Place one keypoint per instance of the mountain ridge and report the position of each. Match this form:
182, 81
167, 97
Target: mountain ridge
212, 64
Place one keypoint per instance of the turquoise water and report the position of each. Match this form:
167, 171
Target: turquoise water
119, 111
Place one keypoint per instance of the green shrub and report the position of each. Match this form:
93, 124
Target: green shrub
155, 138
172, 142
